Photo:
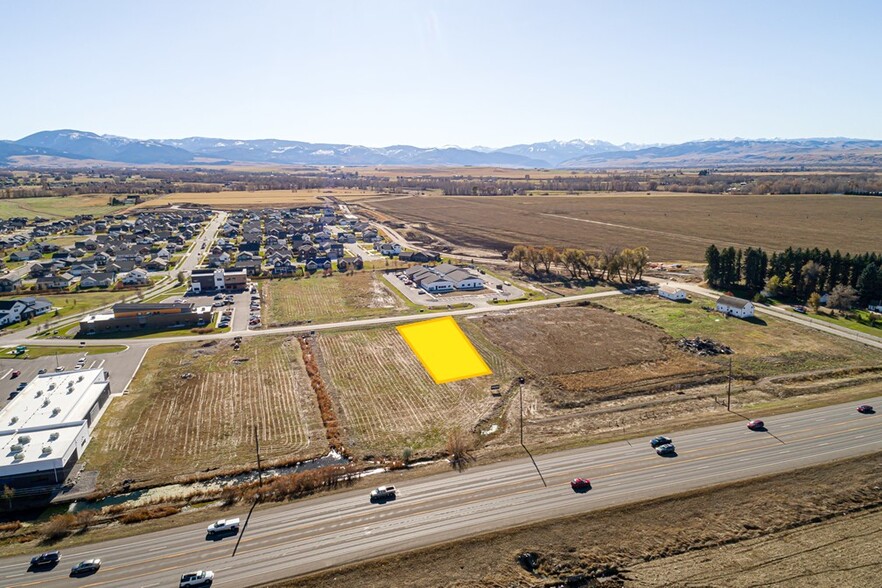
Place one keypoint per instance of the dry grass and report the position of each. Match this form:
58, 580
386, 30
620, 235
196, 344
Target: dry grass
167, 427
674, 227
256, 199
388, 401
319, 299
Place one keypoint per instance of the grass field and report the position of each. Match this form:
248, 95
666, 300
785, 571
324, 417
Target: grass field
263, 198
763, 347
58, 206
35, 351
318, 299
387, 400
674, 227
167, 426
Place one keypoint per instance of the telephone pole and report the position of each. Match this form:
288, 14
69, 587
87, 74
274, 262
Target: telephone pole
257, 450
729, 390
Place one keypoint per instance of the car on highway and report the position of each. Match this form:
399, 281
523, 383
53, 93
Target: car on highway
223, 526
199, 578
756, 425
580, 484
666, 449
865, 409
89, 566
50, 558
659, 441
384, 493
14, 374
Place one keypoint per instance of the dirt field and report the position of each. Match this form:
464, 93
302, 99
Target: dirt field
340, 297
614, 543
674, 227
168, 426
388, 401
258, 199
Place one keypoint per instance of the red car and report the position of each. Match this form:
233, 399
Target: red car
756, 425
865, 409
14, 374
581, 484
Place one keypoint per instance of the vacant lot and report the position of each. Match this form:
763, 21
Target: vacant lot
192, 408
674, 227
762, 532
58, 206
763, 347
318, 299
387, 400
257, 199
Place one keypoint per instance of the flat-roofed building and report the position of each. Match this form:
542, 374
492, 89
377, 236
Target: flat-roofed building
155, 316
46, 427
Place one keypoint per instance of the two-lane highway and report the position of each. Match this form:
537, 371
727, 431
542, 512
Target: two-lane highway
332, 530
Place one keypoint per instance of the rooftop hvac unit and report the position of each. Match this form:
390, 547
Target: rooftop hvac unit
45, 403
24, 439
80, 379
38, 394
52, 386
55, 411
53, 436
18, 457
16, 448
13, 420
47, 449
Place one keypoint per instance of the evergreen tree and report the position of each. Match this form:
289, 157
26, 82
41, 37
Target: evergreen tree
712, 270
869, 284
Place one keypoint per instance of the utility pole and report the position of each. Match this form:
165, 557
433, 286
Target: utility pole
521, 395
257, 450
729, 390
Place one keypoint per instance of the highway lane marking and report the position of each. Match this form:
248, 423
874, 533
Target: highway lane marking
430, 512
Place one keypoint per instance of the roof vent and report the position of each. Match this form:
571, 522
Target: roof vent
52, 386
24, 439
80, 379
38, 394
53, 436
16, 448
18, 457
45, 403
47, 449
55, 411
13, 420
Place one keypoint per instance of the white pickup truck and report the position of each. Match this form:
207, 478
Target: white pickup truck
200, 578
384, 493
223, 526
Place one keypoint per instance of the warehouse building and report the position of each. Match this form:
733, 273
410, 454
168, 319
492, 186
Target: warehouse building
46, 427
148, 317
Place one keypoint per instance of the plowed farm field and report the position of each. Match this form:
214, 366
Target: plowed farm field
674, 227
292, 301
387, 400
169, 426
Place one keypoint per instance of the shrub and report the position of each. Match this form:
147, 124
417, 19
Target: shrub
147, 513
459, 447
10, 527
59, 526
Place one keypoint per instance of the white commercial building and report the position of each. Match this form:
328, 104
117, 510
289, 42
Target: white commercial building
46, 427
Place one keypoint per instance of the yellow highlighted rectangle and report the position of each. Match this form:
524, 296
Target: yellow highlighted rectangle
444, 350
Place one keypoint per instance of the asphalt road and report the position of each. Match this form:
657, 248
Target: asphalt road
332, 530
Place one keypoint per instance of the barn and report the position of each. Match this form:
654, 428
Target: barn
732, 306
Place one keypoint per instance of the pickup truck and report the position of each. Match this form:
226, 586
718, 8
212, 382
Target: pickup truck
223, 526
200, 578
384, 493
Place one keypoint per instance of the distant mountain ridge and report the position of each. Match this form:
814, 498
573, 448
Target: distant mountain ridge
577, 154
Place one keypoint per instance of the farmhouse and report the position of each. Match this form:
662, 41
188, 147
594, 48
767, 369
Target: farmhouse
133, 317
730, 305
671, 292
14, 311
47, 426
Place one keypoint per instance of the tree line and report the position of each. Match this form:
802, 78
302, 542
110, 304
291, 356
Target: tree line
797, 273
625, 264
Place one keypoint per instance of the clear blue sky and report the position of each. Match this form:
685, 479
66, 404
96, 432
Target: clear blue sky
432, 73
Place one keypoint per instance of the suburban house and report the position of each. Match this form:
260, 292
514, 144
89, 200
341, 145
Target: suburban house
418, 257
136, 277
671, 292
56, 282
20, 309
732, 306
25, 255
96, 280
133, 317
389, 249
10, 283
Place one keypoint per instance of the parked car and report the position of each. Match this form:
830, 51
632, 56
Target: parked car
865, 409
89, 566
218, 296
21, 386
223, 526
384, 493
59, 368
581, 484
41, 371
14, 374
50, 558
200, 578
799, 308
666, 449
756, 425
659, 441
